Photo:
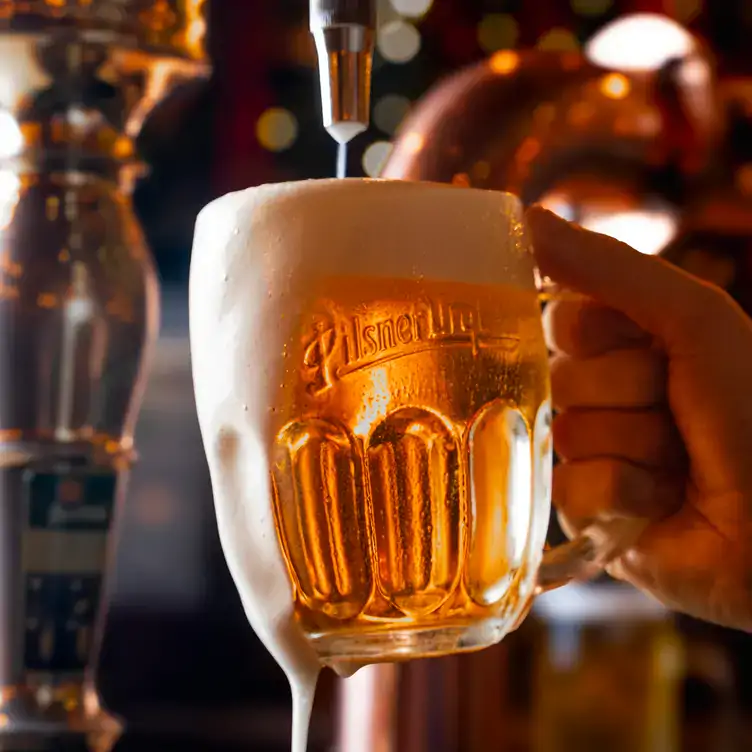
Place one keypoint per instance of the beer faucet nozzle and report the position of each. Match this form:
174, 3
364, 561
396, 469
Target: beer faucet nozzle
344, 32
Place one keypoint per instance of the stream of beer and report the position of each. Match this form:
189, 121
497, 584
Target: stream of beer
342, 161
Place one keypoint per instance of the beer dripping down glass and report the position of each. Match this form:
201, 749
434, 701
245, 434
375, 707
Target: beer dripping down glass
79, 316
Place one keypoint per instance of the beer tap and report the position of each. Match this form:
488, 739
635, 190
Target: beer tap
344, 32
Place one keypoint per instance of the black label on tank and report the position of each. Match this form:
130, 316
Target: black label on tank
74, 501
68, 520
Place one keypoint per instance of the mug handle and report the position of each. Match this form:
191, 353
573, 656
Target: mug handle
587, 555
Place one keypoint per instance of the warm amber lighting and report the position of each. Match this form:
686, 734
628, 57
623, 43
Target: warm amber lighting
462, 180
615, 86
122, 148
504, 62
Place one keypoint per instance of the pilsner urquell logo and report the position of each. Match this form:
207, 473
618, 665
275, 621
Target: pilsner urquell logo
341, 344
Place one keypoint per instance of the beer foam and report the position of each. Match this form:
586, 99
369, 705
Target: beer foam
384, 228
256, 257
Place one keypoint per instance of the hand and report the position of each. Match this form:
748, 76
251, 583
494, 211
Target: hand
652, 381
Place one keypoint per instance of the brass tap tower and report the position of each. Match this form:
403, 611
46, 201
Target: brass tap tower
79, 314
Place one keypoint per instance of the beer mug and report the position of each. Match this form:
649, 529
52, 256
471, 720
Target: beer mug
373, 391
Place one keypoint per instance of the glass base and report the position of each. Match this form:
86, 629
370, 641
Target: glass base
393, 644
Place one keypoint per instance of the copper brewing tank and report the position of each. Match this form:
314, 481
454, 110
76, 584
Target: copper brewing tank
553, 127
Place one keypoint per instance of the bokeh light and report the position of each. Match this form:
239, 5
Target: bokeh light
558, 40
497, 31
277, 129
390, 111
504, 62
412, 8
398, 41
591, 7
615, 86
375, 157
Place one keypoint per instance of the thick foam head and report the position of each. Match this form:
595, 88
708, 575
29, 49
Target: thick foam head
375, 227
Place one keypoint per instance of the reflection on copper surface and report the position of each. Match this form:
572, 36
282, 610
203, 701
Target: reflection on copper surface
648, 231
640, 42
482, 114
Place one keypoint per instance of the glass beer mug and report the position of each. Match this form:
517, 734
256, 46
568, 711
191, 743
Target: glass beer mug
373, 390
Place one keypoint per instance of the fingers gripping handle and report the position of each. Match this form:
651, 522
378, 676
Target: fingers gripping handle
589, 553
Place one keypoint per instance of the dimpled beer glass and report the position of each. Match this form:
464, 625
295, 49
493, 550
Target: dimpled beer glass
369, 356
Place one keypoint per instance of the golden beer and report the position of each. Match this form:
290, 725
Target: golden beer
409, 476
372, 390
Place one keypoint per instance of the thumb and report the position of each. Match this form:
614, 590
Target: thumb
663, 300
